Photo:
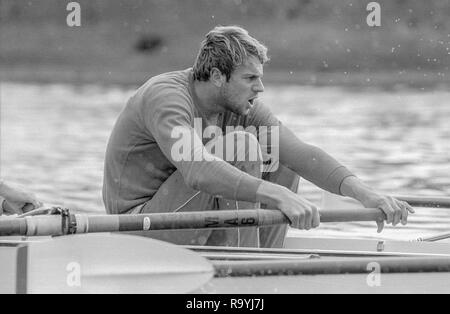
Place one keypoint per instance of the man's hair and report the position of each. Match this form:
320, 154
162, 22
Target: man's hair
225, 48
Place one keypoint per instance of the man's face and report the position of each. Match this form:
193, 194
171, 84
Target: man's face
239, 93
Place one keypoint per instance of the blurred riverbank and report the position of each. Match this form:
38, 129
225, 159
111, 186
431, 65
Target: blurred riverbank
321, 43
379, 80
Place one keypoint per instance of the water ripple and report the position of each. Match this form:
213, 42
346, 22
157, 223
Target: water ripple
53, 141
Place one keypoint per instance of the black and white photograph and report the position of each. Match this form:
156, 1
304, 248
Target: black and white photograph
224, 150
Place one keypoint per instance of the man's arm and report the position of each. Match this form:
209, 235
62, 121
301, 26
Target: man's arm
169, 121
311, 162
395, 210
308, 161
215, 176
302, 213
324, 171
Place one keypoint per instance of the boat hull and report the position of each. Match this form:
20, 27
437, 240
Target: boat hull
417, 283
341, 266
372, 281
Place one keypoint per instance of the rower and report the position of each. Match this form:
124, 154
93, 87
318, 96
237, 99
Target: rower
15, 200
200, 139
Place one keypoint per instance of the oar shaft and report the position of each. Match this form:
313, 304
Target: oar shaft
358, 265
435, 238
426, 201
56, 225
352, 215
211, 219
181, 220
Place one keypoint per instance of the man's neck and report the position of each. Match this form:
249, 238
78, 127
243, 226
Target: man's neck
207, 100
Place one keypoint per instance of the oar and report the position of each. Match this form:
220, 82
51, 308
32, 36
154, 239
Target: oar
69, 224
426, 201
435, 238
330, 200
101, 263
332, 266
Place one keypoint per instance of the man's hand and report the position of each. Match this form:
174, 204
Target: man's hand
396, 211
302, 213
17, 201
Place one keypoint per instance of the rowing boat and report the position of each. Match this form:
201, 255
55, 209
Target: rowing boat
111, 263
117, 263
324, 265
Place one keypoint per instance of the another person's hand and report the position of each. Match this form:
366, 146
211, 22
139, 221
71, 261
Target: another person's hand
17, 201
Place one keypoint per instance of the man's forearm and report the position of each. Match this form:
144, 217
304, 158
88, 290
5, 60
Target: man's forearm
355, 188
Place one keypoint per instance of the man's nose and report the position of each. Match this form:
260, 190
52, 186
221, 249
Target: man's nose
258, 87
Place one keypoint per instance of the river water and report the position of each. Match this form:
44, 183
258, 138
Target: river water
53, 139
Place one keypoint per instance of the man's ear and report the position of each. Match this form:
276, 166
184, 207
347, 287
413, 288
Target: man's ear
217, 78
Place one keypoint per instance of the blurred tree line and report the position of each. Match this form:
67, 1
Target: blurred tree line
414, 13
157, 35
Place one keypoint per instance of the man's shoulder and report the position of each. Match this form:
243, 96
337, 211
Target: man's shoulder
166, 95
166, 87
170, 80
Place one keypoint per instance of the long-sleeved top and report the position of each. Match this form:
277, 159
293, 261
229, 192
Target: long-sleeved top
140, 152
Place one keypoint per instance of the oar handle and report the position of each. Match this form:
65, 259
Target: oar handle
60, 225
